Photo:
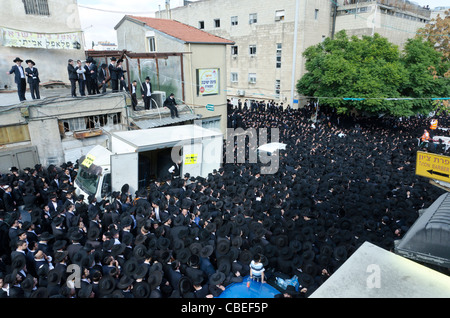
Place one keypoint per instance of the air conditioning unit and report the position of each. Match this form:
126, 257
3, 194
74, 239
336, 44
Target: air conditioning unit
241, 93
159, 97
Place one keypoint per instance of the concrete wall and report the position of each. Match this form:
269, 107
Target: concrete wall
51, 63
266, 33
396, 29
43, 125
132, 36
206, 56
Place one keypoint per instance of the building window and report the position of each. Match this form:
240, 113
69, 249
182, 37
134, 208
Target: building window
217, 23
201, 25
316, 14
252, 49
234, 77
277, 88
279, 51
279, 15
13, 134
151, 44
252, 78
69, 126
38, 7
253, 18
234, 20
234, 50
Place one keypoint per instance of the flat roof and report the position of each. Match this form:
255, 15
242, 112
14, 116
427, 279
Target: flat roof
373, 272
165, 135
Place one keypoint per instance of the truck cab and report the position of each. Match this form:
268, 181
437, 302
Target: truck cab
94, 174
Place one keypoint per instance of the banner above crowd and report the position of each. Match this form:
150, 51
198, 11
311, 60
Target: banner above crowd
25, 39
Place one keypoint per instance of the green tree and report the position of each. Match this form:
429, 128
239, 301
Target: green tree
426, 69
372, 70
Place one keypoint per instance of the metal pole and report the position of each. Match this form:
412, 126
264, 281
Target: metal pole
374, 19
294, 52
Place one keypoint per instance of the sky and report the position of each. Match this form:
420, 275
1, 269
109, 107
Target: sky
99, 17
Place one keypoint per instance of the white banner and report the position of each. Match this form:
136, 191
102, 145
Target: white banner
58, 41
208, 81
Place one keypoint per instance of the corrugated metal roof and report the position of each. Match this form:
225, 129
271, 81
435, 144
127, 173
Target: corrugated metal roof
164, 121
428, 238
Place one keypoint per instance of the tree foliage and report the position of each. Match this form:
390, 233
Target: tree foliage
375, 72
437, 32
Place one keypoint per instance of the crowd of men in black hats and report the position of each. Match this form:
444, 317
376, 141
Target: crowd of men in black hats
340, 182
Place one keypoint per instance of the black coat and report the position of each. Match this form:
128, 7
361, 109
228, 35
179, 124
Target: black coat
17, 75
113, 72
72, 72
144, 88
33, 75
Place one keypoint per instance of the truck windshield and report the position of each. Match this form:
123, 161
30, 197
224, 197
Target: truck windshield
87, 181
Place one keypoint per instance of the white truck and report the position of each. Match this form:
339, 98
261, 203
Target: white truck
139, 156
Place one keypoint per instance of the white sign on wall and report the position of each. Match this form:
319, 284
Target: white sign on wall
58, 41
208, 81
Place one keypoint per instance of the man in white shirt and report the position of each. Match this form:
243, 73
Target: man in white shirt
19, 78
146, 91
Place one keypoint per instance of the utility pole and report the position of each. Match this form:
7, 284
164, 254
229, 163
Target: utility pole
294, 53
374, 19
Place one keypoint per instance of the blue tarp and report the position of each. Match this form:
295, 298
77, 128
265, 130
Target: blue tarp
254, 290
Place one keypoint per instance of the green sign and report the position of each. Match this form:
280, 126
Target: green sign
210, 107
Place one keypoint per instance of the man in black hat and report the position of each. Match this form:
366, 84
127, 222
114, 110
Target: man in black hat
19, 78
146, 91
172, 105
93, 71
73, 77
114, 76
33, 79
102, 76
121, 75
134, 100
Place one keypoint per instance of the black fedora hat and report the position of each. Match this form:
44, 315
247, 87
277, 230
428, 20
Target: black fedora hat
185, 285
305, 280
195, 248
155, 278
217, 278
340, 253
141, 271
140, 251
30, 61
53, 277
222, 246
162, 243
85, 291
245, 257
93, 233
130, 267
141, 290
17, 59
46, 236
183, 254
118, 249
206, 251
124, 282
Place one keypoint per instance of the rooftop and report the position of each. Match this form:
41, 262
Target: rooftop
176, 29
